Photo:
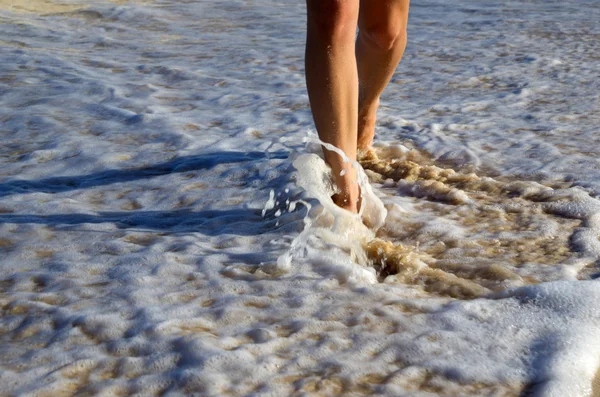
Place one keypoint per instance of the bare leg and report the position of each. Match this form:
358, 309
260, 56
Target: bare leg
332, 82
379, 48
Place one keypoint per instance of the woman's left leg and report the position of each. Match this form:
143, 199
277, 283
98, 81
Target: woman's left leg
379, 47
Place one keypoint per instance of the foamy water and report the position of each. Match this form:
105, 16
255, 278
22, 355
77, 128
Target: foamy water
166, 227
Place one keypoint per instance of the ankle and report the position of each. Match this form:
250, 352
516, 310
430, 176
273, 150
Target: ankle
367, 119
348, 200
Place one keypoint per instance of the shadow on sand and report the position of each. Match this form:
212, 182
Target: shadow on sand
181, 164
239, 221
210, 223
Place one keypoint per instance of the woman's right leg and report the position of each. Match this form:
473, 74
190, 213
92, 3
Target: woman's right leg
332, 83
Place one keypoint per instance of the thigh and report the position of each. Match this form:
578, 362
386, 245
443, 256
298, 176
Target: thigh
387, 15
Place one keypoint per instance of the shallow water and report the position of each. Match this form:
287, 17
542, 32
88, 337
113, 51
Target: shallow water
156, 239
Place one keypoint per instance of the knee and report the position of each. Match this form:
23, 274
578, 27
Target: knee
384, 36
332, 20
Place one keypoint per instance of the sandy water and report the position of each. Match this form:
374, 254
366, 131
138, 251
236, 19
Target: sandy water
156, 238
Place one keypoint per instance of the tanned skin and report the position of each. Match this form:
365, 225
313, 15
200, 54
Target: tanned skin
346, 74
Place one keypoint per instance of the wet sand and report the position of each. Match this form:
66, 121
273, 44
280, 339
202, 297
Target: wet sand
40, 7
48, 7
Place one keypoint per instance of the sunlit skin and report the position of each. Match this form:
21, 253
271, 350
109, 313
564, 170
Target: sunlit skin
346, 75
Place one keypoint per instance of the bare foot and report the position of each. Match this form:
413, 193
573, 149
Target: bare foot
367, 117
